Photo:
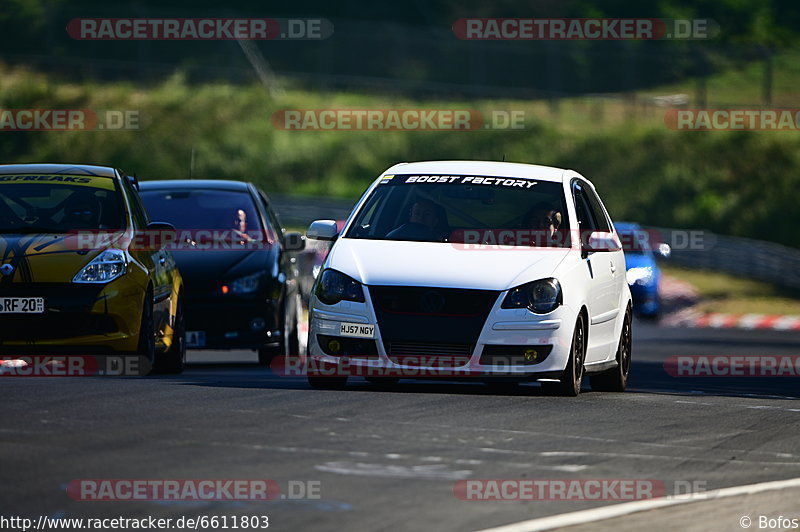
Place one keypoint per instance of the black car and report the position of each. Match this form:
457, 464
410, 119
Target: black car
240, 277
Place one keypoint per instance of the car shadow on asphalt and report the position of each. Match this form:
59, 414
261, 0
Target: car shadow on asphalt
646, 378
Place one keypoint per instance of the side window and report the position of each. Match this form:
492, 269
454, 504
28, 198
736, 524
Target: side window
600, 218
586, 221
272, 222
138, 212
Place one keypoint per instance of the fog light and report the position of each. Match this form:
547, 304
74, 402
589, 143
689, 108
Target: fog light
530, 355
257, 324
334, 346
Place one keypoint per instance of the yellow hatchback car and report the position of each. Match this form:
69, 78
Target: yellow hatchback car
76, 276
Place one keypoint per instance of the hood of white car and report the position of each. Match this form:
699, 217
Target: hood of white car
384, 262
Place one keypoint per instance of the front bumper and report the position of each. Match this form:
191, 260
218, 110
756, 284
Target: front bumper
646, 299
231, 322
78, 318
421, 354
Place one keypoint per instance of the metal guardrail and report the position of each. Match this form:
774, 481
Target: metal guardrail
744, 257
299, 211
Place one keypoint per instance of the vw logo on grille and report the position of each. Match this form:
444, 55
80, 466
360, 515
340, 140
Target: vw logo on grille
6, 269
432, 301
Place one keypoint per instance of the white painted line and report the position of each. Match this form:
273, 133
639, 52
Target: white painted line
626, 508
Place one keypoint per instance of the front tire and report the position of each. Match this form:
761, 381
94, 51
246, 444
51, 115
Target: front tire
570, 383
174, 360
616, 380
147, 337
289, 343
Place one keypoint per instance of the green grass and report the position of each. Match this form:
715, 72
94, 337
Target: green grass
720, 292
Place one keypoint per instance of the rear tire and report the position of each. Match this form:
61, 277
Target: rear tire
570, 383
174, 360
616, 379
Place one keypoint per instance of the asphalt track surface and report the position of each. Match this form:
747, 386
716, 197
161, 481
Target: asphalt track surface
389, 458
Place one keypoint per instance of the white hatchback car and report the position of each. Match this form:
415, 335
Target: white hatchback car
468, 269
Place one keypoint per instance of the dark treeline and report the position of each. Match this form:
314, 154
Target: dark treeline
410, 42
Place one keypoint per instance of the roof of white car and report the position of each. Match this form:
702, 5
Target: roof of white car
479, 168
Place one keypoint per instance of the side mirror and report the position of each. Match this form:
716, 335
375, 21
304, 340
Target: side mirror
602, 241
664, 250
160, 234
323, 230
294, 241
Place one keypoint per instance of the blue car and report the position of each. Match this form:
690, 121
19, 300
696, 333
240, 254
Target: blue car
643, 274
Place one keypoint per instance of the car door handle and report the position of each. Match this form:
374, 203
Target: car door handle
613, 268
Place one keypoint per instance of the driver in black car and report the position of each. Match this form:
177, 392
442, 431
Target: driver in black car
424, 223
240, 227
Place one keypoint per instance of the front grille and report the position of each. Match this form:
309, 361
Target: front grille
430, 315
431, 301
49, 326
429, 354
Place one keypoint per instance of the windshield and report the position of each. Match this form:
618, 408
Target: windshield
58, 204
197, 210
464, 209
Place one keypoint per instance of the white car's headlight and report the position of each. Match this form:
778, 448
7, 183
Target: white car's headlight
334, 286
639, 275
247, 284
540, 297
105, 267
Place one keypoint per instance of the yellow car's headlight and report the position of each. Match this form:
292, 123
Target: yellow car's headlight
106, 267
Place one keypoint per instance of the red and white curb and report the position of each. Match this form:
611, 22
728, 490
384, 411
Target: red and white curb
717, 320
